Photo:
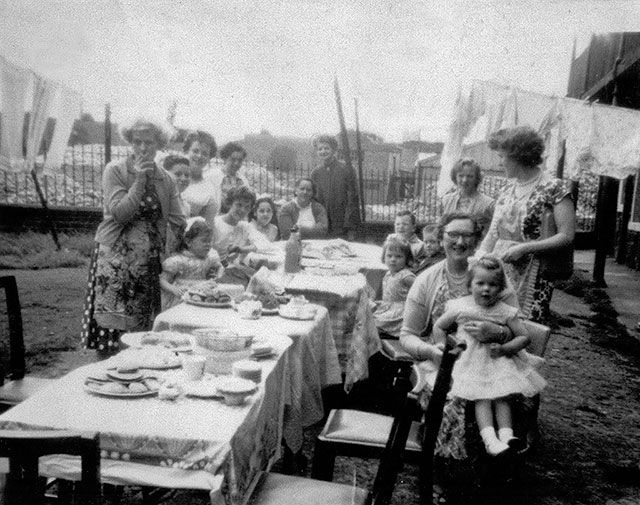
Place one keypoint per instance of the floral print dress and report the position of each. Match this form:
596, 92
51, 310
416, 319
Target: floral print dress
124, 288
519, 219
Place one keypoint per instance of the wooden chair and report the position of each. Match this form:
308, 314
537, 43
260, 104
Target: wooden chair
343, 432
19, 387
276, 489
24, 448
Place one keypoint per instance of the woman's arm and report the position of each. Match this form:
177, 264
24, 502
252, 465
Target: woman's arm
490, 239
122, 201
565, 217
413, 323
516, 344
322, 221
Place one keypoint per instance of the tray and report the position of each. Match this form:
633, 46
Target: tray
97, 391
213, 305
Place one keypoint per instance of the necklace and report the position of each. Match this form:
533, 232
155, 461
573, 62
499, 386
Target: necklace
522, 189
457, 283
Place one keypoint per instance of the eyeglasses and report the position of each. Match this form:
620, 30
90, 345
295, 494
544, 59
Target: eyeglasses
455, 235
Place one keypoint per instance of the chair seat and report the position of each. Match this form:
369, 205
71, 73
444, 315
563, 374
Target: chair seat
394, 351
277, 489
365, 428
13, 392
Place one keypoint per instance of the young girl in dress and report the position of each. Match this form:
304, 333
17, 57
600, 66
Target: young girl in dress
432, 248
195, 262
395, 286
488, 373
263, 216
405, 227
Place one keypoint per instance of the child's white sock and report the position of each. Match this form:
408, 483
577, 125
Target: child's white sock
491, 442
505, 434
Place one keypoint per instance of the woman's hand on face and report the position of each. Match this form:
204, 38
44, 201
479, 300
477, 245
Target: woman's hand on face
514, 253
484, 331
144, 167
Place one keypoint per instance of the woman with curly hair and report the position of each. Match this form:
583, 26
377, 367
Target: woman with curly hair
466, 174
515, 231
140, 201
201, 195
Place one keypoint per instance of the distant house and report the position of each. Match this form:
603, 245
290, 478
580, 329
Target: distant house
608, 71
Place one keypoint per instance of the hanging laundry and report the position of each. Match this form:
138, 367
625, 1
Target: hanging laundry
44, 92
14, 84
65, 109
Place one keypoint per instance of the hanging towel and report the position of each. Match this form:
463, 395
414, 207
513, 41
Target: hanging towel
44, 92
66, 109
14, 83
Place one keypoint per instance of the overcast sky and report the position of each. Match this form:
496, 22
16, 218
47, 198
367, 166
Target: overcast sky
236, 67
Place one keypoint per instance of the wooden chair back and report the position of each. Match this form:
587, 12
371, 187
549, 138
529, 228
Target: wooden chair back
16, 340
24, 448
391, 461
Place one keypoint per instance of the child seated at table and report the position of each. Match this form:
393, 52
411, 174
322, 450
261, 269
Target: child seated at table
194, 262
405, 227
263, 218
433, 250
388, 312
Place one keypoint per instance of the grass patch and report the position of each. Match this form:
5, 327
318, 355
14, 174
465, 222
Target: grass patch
34, 251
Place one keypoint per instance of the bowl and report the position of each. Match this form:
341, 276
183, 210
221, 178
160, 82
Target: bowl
221, 339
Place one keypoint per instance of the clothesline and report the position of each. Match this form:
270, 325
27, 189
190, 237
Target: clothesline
598, 138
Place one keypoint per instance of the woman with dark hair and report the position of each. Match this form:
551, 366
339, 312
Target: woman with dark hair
336, 188
140, 200
201, 196
233, 155
233, 236
515, 231
303, 211
466, 174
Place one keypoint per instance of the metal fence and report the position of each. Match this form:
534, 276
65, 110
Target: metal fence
78, 183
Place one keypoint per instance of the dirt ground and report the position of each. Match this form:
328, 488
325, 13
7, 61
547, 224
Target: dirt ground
589, 448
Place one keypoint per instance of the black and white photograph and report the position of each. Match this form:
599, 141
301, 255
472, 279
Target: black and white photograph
306, 252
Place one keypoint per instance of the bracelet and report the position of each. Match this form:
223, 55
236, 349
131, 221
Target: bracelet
503, 335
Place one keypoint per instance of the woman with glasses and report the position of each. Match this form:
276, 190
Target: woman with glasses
459, 235
515, 231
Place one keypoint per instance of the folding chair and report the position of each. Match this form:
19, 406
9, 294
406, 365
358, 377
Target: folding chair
24, 448
19, 387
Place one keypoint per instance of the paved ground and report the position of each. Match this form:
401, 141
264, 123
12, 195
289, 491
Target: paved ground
623, 288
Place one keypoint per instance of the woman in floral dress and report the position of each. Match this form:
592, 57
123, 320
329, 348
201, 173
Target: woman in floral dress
140, 200
515, 231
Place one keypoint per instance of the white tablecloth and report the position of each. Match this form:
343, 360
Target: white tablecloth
187, 443
313, 358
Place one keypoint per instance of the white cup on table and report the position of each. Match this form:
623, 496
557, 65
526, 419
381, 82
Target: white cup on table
193, 366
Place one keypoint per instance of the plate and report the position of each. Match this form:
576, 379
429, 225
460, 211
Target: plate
135, 340
289, 315
213, 305
203, 389
125, 377
97, 390
270, 312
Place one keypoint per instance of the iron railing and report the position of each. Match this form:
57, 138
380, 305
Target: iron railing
78, 183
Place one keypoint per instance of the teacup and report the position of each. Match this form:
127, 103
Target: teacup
193, 366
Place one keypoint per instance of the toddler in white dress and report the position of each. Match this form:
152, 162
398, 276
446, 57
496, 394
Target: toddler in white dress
487, 373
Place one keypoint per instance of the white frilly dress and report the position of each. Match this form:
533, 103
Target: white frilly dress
478, 376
